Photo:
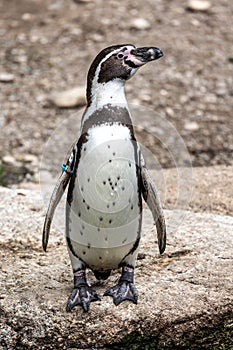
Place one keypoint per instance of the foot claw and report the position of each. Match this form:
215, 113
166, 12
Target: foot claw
83, 296
123, 291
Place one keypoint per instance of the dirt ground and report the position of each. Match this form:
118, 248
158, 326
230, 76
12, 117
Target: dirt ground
48, 45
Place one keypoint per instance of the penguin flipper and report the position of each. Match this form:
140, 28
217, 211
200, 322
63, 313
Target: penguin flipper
152, 199
55, 199
58, 191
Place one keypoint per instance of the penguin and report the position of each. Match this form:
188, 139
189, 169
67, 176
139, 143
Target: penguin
107, 179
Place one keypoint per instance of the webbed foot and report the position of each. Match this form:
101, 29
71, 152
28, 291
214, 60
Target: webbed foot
83, 296
124, 289
82, 293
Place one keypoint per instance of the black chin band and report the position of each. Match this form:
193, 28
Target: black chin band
131, 64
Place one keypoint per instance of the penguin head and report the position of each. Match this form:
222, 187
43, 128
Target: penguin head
118, 62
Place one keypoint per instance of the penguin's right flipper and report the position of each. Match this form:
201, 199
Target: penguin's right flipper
56, 196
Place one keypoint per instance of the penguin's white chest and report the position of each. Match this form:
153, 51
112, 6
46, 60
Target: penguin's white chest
105, 213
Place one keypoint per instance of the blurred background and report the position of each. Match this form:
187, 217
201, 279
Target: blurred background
46, 47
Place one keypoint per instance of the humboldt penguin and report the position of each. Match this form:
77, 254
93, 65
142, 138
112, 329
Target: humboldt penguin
107, 179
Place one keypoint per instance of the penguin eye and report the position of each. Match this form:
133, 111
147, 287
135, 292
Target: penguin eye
120, 56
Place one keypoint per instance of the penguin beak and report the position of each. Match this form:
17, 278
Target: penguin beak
145, 54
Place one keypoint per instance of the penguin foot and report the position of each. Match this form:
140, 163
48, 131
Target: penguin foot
123, 291
83, 295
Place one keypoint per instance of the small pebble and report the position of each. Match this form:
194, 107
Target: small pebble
28, 158
6, 77
27, 17
139, 24
191, 126
97, 37
163, 92
221, 92
8, 159
69, 98
170, 112
198, 5
184, 99
195, 22
221, 89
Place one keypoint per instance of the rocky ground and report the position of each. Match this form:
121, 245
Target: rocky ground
182, 110
185, 296
48, 45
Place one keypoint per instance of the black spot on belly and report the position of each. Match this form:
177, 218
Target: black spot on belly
110, 160
122, 188
79, 214
131, 207
104, 182
81, 233
124, 240
101, 218
98, 229
89, 245
88, 180
83, 227
88, 207
110, 221
118, 177
84, 252
113, 153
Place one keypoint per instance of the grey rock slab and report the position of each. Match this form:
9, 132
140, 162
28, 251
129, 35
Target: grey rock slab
187, 289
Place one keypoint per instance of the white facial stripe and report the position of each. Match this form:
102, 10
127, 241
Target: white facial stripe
125, 52
129, 48
111, 92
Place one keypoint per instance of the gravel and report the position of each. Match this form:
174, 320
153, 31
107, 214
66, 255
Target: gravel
48, 47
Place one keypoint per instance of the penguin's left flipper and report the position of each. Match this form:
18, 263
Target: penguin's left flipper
152, 199
56, 197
